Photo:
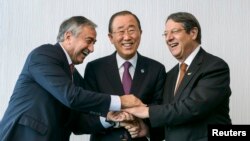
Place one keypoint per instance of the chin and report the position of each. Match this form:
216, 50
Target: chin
177, 56
79, 61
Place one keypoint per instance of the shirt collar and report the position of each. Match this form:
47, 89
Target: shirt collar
190, 58
120, 60
66, 53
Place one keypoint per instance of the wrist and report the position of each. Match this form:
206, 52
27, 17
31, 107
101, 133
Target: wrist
116, 124
110, 122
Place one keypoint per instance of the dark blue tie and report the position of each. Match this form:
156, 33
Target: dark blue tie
126, 78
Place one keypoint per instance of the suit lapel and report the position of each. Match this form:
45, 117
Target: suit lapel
169, 87
194, 67
140, 71
112, 74
63, 55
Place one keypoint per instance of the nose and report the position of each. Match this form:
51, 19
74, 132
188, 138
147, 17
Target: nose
126, 35
91, 48
169, 37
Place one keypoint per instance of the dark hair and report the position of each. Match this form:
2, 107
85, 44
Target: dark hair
74, 25
189, 22
122, 13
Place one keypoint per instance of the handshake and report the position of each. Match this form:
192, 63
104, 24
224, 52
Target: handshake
134, 106
131, 115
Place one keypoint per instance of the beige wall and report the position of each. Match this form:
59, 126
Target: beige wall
27, 24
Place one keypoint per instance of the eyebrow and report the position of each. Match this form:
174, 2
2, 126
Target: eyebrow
121, 27
91, 38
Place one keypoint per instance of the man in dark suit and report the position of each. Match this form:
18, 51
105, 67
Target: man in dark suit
105, 74
40, 108
202, 97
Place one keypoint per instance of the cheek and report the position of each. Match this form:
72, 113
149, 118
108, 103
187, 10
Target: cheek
137, 38
184, 44
115, 40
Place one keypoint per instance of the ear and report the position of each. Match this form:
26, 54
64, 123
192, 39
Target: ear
194, 33
141, 32
111, 38
67, 36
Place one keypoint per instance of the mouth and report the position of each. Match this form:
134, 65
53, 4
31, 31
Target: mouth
127, 45
85, 52
173, 45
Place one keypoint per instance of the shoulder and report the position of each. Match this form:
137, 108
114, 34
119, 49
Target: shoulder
102, 61
209, 58
150, 61
45, 48
47, 51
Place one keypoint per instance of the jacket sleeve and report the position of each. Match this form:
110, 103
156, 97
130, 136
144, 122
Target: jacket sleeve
207, 94
51, 72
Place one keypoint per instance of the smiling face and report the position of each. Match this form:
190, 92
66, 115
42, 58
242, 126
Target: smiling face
78, 47
180, 43
125, 36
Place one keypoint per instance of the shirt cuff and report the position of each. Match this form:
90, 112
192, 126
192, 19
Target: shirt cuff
115, 104
104, 123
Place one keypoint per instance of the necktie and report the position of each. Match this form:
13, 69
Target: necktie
126, 82
72, 67
126, 78
183, 68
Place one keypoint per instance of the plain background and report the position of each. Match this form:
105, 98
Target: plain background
25, 25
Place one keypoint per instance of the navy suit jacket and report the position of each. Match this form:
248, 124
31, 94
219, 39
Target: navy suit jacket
102, 75
41, 105
202, 99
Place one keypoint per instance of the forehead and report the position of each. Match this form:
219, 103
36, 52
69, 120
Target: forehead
170, 24
123, 21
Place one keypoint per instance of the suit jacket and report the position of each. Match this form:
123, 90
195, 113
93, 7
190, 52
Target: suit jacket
202, 99
44, 94
102, 75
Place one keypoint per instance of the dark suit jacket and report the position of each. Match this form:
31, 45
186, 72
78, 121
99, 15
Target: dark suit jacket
202, 99
44, 94
102, 75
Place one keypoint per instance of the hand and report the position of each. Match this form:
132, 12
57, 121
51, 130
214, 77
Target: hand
136, 128
140, 112
119, 116
129, 100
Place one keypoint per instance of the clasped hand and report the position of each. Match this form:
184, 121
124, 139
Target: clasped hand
135, 126
127, 118
134, 106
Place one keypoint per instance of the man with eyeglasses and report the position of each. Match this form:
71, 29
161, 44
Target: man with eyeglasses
48, 90
106, 74
201, 97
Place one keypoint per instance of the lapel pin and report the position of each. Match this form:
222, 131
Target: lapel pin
189, 73
142, 71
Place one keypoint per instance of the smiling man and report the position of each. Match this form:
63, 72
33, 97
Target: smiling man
201, 97
46, 94
106, 74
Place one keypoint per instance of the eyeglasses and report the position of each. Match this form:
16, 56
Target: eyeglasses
173, 31
130, 31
